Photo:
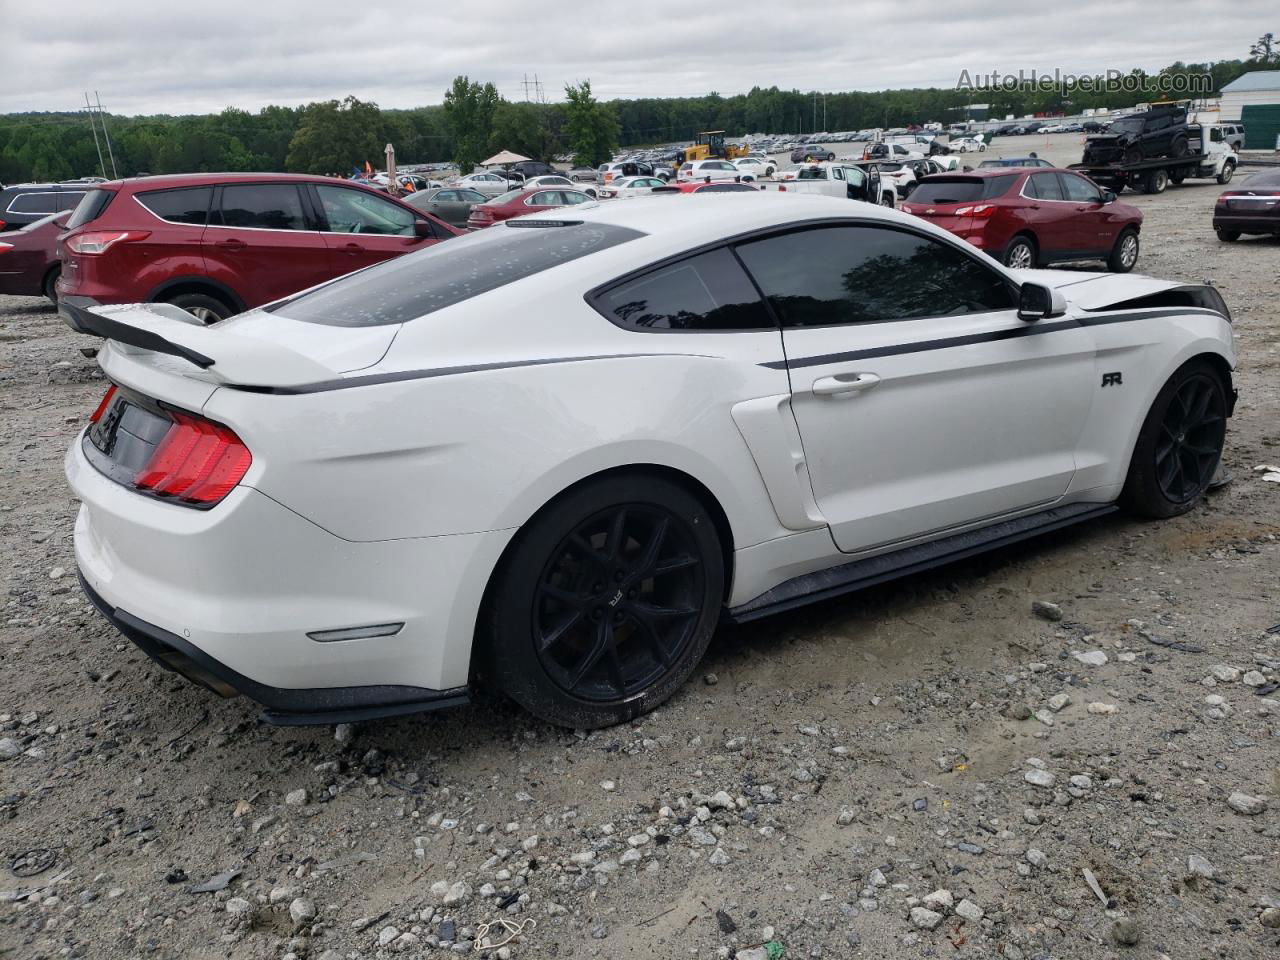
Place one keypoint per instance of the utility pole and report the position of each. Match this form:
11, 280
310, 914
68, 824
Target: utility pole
97, 146
106, 136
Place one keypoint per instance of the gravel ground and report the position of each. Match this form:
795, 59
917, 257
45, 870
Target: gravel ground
927, 769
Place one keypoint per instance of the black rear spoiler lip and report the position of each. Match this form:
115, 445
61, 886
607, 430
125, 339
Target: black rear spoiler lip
109, 329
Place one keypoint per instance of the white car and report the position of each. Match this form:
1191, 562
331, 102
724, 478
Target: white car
631, 187
968, 145
757, 166
713, 170
555, 180
549, 456
487, 182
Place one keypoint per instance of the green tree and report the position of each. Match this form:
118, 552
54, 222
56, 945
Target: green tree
333, 137
469, 109
591, 127
1264, 51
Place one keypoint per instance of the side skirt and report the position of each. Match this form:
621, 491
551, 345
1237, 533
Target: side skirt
860, 574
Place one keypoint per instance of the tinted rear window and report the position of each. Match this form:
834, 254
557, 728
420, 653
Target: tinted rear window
412, 286
179, 206
90, 207
961, 189
40, 203
1268, 178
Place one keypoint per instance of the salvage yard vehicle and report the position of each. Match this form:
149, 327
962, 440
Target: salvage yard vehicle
24, 203
519, 203
1028, 218
489, 182
215, 244
368, 497
713, 170
811, 153
556, 180
710, 144
29, 264
847, 180
1203, 159
968, 145
1159, 132
1029, 161
707, 186
1252, 207
631, 187
757, 166
450, 204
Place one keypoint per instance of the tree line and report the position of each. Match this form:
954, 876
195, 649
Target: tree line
474, 122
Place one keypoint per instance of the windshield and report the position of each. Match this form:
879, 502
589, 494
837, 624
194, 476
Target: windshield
412, 286
961, 189
1128, 125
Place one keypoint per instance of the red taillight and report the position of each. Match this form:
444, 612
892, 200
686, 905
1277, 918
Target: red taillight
1, 224
100, 241
198, 461
103, 404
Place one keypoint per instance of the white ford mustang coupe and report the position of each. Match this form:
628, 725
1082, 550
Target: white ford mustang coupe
550, 456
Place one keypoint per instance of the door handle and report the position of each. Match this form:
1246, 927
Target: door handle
231, 244
845, 383
352, 248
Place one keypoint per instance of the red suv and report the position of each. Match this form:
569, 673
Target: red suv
1030, 217
219, 244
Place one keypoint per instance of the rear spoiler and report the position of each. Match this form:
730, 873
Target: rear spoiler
226, 355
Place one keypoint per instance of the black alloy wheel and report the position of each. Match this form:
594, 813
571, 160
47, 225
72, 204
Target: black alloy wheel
1191, 439
1180, 443
604, 602
617, 602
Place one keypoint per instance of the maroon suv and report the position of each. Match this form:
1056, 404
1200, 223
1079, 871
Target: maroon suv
218, 244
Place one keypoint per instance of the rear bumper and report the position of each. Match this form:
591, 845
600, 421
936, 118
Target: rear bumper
284, 707
240, 589
1261, 223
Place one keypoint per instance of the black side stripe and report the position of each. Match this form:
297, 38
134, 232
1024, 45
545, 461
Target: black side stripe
1029, 330
398, 376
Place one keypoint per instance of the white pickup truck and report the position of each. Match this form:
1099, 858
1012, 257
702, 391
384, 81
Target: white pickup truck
836, 180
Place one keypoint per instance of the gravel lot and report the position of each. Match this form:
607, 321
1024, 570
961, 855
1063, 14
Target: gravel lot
927, 769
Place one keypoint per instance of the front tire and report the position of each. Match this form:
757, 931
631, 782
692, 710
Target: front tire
1228, 171
1179, 445
605, 603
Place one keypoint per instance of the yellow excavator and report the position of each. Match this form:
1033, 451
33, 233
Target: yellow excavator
710, 143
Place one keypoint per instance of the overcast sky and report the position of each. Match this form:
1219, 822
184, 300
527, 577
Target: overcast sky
147, 57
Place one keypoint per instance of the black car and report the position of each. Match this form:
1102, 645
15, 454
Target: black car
533, 168
1160, 132
26, 203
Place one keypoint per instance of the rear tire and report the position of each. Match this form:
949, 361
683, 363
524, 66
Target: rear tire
578, 628
886, 199
50, 285
1020, 254
1227, 236
1124, 255
203, 307
1176, 177
1157, 180
1179, 445
1179, 147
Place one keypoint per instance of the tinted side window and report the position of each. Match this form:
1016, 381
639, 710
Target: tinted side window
706, 292
1080, 190
179, 206
41, 203
843, 275
90, 207
268, 206
1045, 186
361, 211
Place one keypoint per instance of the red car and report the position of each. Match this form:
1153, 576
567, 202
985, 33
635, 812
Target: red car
29, 264
219, 244
1251, 207
516, 203
1030, 217
707, 186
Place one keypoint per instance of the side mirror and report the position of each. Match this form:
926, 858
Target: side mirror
1037, 302
422, 228
1108, 196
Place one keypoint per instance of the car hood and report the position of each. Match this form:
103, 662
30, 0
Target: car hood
1098, 291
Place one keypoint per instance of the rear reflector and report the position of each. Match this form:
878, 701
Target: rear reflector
5, 247
197, 462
